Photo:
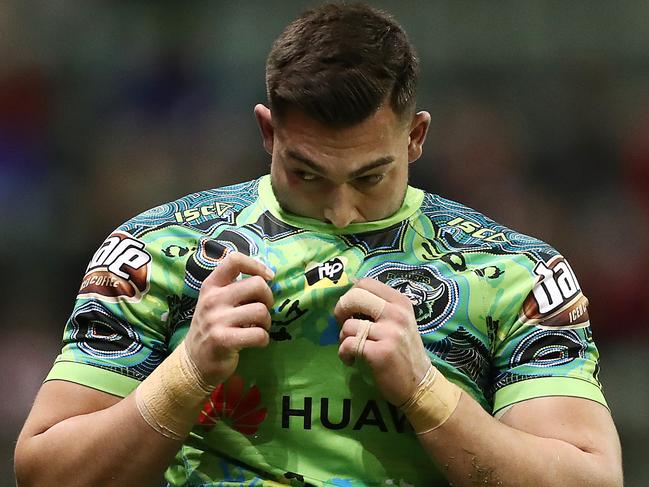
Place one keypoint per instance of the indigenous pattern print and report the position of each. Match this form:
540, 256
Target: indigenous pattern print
500, 314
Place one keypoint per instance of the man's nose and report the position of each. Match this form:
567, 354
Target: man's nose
340, 209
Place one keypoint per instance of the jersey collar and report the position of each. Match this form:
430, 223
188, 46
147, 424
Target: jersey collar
410, 205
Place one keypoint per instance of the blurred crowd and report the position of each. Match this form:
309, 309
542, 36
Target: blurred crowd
109, 108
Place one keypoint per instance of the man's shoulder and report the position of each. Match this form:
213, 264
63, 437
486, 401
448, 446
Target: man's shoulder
465, 229
197, 210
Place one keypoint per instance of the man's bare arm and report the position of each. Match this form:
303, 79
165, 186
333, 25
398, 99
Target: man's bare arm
75, 435
78, 436
545, 441
540, 442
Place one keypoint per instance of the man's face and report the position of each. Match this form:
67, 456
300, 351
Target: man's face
342, 176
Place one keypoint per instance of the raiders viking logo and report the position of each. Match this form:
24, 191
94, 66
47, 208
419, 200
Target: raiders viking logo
433, 297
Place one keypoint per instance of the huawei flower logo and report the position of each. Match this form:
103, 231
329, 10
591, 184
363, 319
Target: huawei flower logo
230, 403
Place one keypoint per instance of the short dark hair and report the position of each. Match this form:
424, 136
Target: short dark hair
338, 63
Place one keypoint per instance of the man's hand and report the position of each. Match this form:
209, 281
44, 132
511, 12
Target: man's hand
393, 347
230, 315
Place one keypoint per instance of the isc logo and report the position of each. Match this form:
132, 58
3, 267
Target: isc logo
218, 209
478, 231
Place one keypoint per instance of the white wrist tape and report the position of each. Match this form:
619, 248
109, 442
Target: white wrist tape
169, 399
432, 403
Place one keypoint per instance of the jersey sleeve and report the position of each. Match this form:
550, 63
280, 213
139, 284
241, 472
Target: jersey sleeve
119, 331
547, 348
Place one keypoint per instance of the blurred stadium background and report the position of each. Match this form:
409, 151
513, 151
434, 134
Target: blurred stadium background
540, 119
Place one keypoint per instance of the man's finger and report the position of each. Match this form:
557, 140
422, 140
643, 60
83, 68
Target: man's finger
250, 315
250, 290
359, 301
379, 289
346, 351
236, 263
351, 327
349, 350
241, 338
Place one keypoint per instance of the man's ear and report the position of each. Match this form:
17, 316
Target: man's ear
265, 122
417, 135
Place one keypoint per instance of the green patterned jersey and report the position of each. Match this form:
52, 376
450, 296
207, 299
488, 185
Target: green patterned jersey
500, 314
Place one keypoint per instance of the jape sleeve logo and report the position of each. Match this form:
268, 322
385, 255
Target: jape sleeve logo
556, 301
119, 270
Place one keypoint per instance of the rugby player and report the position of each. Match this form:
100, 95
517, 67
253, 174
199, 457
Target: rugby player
326, 324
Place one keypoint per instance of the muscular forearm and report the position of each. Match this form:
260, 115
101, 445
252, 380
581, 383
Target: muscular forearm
544, 441
472, 448
113, 446
75, 435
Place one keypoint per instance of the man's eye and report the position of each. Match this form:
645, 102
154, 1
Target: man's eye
306, 176
371, 179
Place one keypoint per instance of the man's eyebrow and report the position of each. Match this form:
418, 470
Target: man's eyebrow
306, 161
381, 161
